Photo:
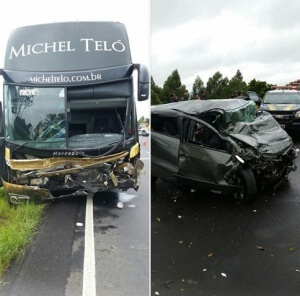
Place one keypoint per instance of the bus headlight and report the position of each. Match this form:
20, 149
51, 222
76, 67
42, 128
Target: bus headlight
134, 151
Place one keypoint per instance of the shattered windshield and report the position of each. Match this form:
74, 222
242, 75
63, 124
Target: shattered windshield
282, 98
246, 113
35, 116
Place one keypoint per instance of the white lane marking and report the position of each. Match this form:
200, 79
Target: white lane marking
89, 274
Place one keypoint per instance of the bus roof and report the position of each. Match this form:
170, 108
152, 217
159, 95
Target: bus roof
65, 47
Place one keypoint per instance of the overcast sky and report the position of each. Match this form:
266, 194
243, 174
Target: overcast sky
135, 14
261, 38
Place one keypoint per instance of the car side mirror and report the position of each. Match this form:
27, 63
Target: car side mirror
143, 82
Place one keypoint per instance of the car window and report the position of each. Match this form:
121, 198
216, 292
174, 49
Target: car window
164, 125
203, 135
282, 98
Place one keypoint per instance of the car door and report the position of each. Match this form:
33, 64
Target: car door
2, 144
164, 146
203, 155
254, 97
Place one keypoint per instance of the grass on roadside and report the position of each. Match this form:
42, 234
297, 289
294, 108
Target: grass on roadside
16, 228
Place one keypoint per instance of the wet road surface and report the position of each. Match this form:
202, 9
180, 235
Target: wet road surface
206, 244
53, 263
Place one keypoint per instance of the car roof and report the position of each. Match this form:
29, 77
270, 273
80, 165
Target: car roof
195, 107
284, 91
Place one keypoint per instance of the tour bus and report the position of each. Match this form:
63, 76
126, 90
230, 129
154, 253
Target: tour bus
69, 124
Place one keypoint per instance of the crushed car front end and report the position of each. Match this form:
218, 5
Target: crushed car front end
265, 147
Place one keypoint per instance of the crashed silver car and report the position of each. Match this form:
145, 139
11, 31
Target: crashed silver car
225, 146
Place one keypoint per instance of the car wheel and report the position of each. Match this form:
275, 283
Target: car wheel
246, 185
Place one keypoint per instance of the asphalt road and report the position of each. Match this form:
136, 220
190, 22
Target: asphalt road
53, 263
205, 244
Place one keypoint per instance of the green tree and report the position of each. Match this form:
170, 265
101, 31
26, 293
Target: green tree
198, 85
155, 93
141, 120
216, 86
260, 87
236, 84
171, 87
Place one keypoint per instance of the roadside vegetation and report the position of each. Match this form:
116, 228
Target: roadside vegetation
217, 87
17, 224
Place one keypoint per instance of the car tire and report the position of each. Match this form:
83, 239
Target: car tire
246, 185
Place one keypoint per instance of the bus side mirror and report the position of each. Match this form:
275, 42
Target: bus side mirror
143, 82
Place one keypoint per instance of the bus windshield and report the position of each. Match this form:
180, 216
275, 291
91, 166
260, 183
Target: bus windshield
38, 118
35, 115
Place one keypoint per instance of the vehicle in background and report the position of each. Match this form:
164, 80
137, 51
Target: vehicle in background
144, 133
225, 146
284, 105
70, 112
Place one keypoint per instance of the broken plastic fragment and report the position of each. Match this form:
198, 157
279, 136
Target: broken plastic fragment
204, 269
120, 205
156, 293
79, 224
223, 274
125, 197
158, 219
260, 248
210, 255
180, 242
179, 217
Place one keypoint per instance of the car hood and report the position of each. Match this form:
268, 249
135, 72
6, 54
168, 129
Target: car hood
280, 107
264, 134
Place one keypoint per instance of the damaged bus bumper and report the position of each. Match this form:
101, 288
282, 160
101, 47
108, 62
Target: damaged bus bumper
52, 178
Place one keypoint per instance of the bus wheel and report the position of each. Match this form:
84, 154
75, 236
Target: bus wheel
246, 185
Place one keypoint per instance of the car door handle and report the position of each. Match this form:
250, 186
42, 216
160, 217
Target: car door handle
182, 157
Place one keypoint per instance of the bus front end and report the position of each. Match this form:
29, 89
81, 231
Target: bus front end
71, 129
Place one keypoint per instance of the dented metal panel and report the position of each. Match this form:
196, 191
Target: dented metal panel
37, 179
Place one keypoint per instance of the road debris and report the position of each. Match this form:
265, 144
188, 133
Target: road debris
158, 219
292, 249
131, 206
167, 283
260, 248
156, 293
223, 274
180, 242
79, 224
210, 255
120, 205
